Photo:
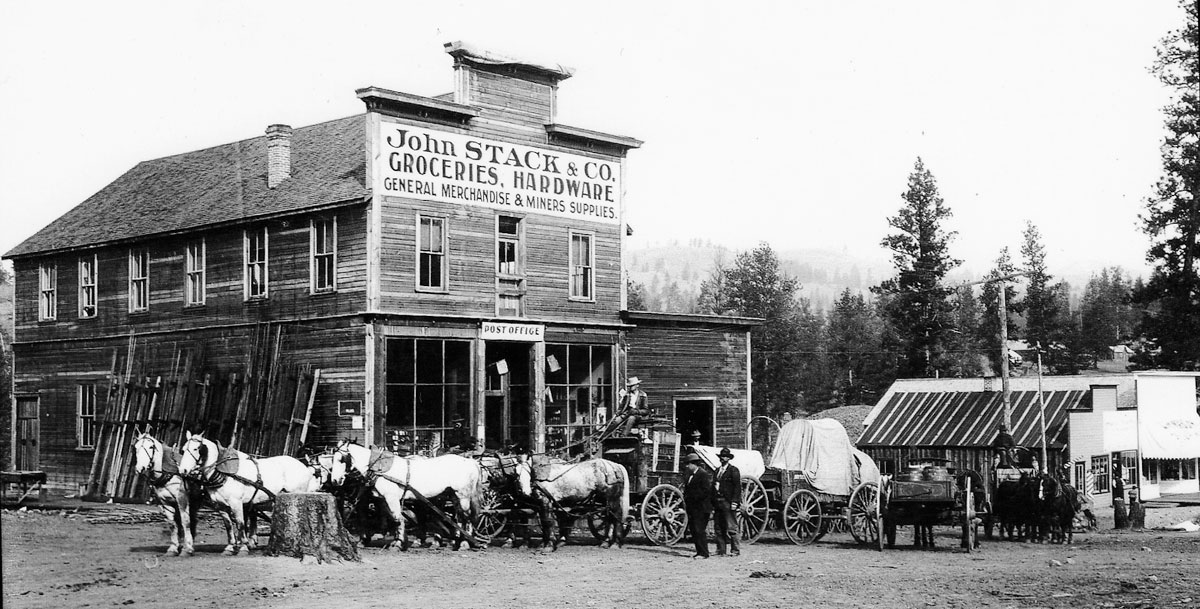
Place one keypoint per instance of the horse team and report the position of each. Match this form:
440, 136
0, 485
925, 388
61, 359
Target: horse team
1036, 507
398, 490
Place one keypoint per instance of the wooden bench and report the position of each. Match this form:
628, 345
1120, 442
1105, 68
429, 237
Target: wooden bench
26, 481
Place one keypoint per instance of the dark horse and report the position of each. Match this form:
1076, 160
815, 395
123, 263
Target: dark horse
1060, 504
1019, 508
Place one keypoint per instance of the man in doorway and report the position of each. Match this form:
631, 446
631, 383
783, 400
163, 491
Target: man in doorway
697, 501
726, 502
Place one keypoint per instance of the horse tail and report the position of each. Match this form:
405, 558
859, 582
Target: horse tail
623, 474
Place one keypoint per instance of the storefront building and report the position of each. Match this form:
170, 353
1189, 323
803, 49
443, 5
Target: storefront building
432, 262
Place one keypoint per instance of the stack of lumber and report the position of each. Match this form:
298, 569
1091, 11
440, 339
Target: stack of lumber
263, 409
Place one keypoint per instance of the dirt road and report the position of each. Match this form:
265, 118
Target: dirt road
58, 560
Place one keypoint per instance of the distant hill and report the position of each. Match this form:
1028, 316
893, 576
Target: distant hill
672, 274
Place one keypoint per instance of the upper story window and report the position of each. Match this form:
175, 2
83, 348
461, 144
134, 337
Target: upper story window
509, 282
47, 292
431, 253
583, 280
323, 255
508, 246
87, 286
139, 281
194, 288
255, 254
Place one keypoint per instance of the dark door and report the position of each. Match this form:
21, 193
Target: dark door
27, 434
506, 395
695, 415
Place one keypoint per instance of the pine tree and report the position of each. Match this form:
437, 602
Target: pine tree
918, 307
989, 324
755, 287
965, 346
1044, 321
853, 343
1171, 327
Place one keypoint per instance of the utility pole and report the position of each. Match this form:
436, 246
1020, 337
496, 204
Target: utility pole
1006, 393
1042, 409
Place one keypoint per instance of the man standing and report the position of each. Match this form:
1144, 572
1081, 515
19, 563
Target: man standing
697, 501
728, 485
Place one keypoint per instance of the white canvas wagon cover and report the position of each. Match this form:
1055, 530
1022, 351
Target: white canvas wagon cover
821, 450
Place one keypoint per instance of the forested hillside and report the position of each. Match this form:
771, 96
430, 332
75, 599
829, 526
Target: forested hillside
671, 274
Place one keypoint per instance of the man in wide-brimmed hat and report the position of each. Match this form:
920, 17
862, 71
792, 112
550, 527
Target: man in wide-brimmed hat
726, 502
697, 501
633, 404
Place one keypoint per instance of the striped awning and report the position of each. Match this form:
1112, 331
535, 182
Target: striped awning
968, 418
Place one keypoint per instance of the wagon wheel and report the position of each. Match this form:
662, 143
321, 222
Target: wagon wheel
802, 517
595, 522
969, 534
663, 518
865, 521
755, 510
491, 520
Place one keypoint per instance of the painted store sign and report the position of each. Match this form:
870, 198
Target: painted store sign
462, 169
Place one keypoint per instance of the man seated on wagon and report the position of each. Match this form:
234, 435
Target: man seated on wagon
1003, 446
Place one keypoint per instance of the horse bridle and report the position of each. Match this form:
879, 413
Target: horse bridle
148, 473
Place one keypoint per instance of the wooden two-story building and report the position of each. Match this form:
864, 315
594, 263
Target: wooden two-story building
374, 277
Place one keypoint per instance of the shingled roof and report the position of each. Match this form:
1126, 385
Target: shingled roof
214, 186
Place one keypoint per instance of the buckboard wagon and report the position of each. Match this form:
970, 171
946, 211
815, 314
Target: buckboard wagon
929, 494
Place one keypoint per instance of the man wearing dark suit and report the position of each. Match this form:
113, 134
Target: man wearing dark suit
697, 501
728, 484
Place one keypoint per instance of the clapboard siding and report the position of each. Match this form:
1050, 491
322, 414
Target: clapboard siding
471, 288
679, 360
288, 269
54, 371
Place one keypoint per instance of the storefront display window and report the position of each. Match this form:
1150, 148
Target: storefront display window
428, 385
578, 393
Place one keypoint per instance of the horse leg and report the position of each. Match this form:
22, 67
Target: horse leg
174, 516
241, 545
250, 513
230, 545
189, 525
399, 526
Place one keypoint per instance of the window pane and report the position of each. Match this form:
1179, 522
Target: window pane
400, 405
429, 361
400, 360
429, 406
458, 362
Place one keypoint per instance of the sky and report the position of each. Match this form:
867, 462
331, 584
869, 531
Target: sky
791, 123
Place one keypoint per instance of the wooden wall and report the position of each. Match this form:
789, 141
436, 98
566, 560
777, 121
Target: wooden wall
471, 284
693, 360
54, 370
289, 296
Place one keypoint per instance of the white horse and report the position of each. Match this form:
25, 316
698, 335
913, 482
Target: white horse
160, 467
570, 490
397, 479
236, 481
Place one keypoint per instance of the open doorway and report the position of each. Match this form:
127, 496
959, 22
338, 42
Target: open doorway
506, 395
696, 415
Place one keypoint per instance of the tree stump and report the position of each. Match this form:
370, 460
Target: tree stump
309, 523
1120, 516
1137, 515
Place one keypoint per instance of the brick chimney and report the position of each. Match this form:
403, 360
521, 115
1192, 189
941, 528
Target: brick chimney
279, 154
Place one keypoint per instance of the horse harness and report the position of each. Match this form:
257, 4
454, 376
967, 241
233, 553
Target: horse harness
216, 478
